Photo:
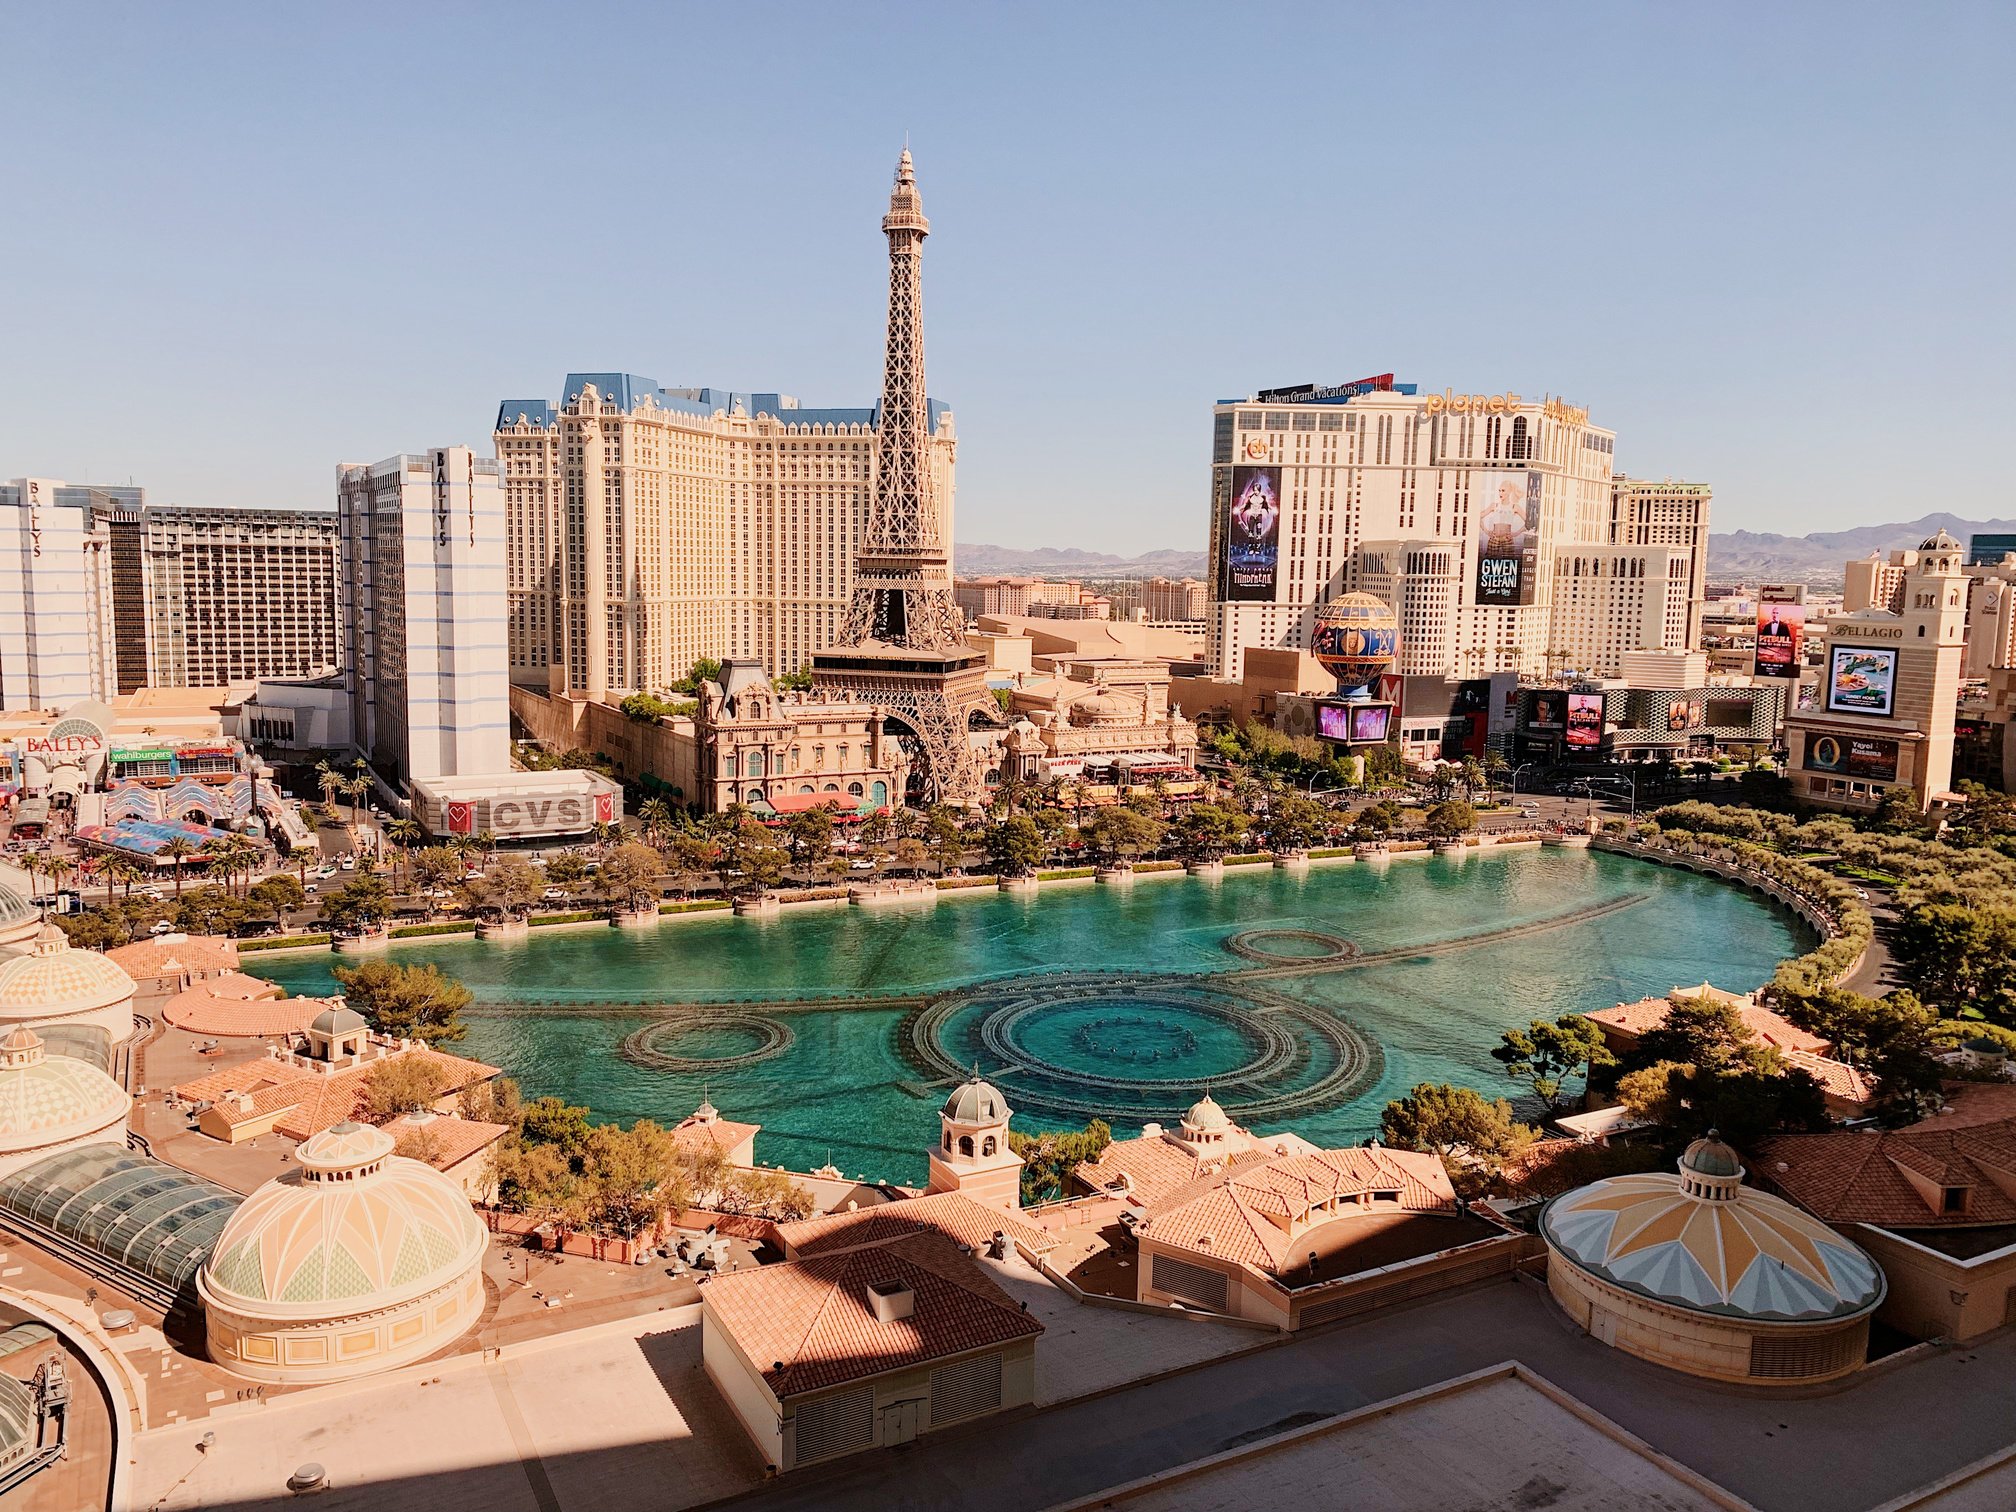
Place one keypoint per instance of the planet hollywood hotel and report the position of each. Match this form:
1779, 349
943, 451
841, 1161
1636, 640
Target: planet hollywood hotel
1484, 520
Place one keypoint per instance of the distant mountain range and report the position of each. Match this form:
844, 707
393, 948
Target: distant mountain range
1734, 556
1049, 561
1753, 556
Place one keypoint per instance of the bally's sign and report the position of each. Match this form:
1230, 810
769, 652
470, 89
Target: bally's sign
563, 814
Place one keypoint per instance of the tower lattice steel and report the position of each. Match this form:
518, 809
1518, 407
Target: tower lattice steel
902, 644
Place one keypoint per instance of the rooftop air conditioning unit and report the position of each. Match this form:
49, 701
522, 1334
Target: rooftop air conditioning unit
892, 1300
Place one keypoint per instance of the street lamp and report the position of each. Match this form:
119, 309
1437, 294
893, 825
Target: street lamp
1515, 776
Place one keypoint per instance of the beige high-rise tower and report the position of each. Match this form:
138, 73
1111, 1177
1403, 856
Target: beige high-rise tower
903, 644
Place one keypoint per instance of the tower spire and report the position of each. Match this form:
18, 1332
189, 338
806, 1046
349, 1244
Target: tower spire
902, 642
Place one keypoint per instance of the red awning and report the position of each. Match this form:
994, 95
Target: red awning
798, 803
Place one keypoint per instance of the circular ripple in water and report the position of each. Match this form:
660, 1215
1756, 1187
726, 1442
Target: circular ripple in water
707, 1041
1122, 1046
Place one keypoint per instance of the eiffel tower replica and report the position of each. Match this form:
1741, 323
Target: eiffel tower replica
903, 643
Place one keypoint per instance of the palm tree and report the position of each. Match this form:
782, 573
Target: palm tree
603, 834
655, 814
330, 781
486, 842
403, 833
178, 849
357, 787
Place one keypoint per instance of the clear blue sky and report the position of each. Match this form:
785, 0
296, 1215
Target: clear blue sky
1770, 245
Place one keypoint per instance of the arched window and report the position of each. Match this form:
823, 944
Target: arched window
881, 794
1518, 450
987, 1145
966, 1144
754, 795
854, 789
831, 787
804, 787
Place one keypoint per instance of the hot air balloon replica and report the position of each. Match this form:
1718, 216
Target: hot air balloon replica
1354, 639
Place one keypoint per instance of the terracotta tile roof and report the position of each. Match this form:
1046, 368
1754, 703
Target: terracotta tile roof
1864, 1176
313, 1100
203, 1012
811, 1324
725, 1135
1837, 1079
952, 1215
149, 958
455, 1138
1631, 1020
1154, 1167
1242, 1213
1973, 1103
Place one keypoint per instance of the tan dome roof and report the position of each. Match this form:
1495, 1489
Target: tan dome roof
975, 1102
356, 1226
47, 1100
52, 978
1207, 1114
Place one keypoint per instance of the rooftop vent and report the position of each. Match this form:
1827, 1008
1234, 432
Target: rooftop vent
892, 1300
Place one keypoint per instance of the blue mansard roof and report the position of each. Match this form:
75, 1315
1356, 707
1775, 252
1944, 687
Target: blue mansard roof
629, 390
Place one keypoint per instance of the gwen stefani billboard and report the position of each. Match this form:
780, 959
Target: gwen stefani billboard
1252, 534
1508, 535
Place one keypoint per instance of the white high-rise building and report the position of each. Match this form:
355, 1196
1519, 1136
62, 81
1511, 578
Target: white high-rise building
423, 608
1610, 601
55, 642
1648, 513
650, 527
1303, 479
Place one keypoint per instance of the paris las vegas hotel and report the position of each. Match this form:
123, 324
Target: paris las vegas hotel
1374, 487
649, 527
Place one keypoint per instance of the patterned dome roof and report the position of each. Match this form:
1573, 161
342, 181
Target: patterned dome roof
356, 1226
975, 1101
45, 1100
1745, 1254
53, 978
338, 1020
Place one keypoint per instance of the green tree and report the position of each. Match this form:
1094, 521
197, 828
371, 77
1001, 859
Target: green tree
361, 903
633, 876
1900, 811
408, 1002
557, 1122
508, 888
809, 835
1015, 846
634, 1175
1449, 820
1474, 1136
1547, 1054
1049, 1159
566, 869
1205, 831
1702, 1031
1296, 822
405, 1084
1960, 956
1120, 833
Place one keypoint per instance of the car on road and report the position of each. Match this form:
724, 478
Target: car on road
554, 895
1529, 813
860, 866
160, 927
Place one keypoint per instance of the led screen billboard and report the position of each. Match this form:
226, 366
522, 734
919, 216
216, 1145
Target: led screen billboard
1550, 711
1370, 722
1354, 723
1862, 680
1252, 534
1585, 721
1781, 640
1684, 714
1852, 756
1508, 535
